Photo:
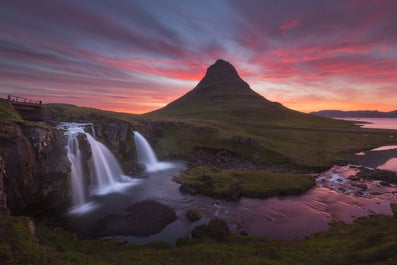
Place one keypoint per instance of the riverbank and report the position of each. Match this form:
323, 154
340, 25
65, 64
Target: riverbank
367, 241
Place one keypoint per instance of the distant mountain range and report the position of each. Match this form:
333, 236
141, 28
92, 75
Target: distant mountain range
355, 114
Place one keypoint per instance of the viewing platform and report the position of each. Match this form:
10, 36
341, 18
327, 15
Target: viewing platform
29, 109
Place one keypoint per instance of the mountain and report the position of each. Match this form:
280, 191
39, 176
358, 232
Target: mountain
355, 114
223, 95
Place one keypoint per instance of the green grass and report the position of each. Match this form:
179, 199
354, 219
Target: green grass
367, 241
231, 183
286, 141
7, 112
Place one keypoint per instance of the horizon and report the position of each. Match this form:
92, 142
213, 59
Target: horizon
137, 56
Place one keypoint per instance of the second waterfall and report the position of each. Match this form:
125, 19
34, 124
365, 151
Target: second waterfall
146, 155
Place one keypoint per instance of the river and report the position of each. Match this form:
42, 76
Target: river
335, 198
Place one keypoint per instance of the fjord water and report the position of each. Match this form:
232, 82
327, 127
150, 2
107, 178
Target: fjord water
375, 123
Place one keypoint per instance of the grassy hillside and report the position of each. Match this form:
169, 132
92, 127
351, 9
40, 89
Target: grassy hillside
301, 143
7, 111
225, 107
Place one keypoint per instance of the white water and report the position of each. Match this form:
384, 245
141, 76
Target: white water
147, 156
106, 175
74, 155
107, 170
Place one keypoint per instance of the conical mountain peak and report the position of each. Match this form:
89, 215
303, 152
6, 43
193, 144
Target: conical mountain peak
221, 69
221, 93
222, 78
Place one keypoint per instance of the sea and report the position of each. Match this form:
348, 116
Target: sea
375, 123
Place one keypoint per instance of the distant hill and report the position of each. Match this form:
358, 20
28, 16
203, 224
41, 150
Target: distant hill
223, 96
355, 114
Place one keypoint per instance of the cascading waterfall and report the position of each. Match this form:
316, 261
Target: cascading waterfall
107, 170
106, 175
79, 196
147, 156
144, 150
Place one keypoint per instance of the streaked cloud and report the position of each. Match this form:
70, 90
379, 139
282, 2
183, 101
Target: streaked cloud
135, 55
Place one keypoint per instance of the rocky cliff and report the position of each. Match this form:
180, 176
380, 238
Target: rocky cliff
34, 168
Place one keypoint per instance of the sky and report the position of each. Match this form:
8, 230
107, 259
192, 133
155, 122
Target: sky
136, 56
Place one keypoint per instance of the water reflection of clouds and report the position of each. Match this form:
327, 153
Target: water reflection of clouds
391, 164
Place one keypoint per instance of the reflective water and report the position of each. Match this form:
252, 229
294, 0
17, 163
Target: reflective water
286, 217
376, 123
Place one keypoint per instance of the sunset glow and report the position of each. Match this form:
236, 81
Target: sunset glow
137, 56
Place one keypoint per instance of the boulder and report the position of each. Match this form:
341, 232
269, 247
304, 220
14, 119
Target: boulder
216, 228
194, 215
141, 219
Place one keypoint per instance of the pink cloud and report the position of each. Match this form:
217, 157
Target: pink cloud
291, 24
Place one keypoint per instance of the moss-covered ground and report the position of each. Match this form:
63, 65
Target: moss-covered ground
7, 112
370, 240
231, 183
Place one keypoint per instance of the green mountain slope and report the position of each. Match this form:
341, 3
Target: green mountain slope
223, 96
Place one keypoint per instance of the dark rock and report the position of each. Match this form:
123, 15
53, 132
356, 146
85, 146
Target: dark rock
122, 243
378, 174
194, 215
186, 188
243, 233
245, 140
235, 191
3, 196
142, 219
220, 158
35, 168
216, 228
199, 231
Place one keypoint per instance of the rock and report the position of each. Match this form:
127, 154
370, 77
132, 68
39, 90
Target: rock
378, 174
245, 140
186, 188
216, 228
194, 215
220, 158
3, 196
235, 190
141, 219
35, 168
31, 229
243, 233
199, 230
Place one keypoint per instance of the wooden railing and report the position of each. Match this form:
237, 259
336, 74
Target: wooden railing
18, 99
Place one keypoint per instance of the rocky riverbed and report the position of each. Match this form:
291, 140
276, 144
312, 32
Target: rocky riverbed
368, 178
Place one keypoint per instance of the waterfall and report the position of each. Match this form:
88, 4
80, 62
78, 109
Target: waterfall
147, 156
73, 152
144, 150
106, 174
107, 170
